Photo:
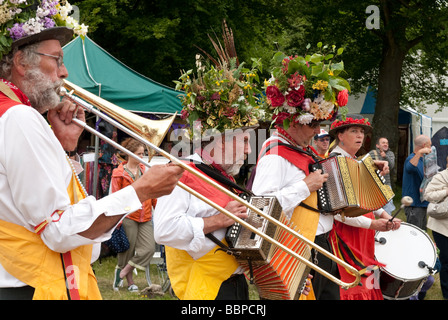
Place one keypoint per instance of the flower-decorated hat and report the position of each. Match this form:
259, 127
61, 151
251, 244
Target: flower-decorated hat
353, 120
306, 89
24, 22
220, 98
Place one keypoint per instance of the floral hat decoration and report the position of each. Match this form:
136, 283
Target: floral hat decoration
24, 22
223, 93
354, 120
306, 88
217, 99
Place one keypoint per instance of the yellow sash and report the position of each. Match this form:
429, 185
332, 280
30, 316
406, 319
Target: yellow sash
24, 255
307, 221
198, 279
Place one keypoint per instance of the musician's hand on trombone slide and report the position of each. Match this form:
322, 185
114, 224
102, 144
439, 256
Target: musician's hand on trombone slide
221, 220
315, 180
157, 181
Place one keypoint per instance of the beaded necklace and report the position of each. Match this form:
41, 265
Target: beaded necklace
79, 183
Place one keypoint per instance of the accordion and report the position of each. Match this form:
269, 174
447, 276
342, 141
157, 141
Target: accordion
277, 274
354, 186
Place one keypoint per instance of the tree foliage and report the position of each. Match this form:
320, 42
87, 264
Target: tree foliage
405, 59
159, 38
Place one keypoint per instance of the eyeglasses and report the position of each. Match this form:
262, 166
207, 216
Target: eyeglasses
59, 59
324, 139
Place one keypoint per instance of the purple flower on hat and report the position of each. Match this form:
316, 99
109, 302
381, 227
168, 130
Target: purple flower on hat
49, 23
17, 32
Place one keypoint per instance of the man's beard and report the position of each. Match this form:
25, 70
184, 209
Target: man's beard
232, 169
41, 91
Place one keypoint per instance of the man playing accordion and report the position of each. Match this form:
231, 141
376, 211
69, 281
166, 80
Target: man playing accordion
297, 103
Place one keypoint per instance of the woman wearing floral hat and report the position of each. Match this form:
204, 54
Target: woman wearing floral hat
349, 135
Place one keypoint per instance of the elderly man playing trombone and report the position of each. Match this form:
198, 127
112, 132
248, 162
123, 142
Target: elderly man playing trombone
48, 224
220, 114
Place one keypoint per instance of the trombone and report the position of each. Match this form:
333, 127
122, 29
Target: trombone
89, 101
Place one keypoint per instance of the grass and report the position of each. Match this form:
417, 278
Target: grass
104, 270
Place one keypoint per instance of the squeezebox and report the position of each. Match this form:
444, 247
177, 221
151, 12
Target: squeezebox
277, 274
353, 186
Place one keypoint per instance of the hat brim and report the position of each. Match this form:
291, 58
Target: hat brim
333, 132
63, 34
206, 137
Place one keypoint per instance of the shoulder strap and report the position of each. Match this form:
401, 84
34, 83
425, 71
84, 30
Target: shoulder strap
278, 143
7, 91
215, 174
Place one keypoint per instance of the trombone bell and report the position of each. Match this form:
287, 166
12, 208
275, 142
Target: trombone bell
152, 130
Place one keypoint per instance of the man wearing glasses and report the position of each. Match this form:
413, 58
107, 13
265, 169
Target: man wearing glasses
49, 226
322, 143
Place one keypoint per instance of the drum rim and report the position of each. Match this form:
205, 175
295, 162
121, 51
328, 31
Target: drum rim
433, 247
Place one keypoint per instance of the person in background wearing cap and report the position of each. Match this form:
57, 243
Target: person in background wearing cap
322, 143
191, 229
349, 134
48, 224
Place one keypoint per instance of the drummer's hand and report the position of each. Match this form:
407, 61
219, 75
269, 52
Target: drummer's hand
315, 180
384, 225
394, 224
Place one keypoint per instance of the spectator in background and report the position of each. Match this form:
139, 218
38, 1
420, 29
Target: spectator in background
138, 225
412, 179
322, 143
382, 152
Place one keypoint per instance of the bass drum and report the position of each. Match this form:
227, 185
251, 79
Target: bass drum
408, 253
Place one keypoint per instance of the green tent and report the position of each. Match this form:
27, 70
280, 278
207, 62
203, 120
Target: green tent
94, 69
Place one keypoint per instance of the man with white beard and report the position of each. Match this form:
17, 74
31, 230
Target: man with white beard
49, 226
220, 105
182, 223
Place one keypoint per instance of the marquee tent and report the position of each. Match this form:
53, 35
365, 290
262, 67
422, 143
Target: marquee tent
94, 69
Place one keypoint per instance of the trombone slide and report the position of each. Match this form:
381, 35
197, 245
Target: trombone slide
90, 108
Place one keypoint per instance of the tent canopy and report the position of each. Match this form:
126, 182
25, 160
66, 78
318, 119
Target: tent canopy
95, 70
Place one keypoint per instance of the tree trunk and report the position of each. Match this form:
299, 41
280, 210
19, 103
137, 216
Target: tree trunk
385, 120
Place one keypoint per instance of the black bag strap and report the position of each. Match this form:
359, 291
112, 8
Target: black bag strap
218, 176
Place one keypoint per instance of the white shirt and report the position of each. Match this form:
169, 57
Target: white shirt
178, 222
34, 176
278, 177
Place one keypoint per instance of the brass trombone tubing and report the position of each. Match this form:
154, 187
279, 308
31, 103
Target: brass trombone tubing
90, 108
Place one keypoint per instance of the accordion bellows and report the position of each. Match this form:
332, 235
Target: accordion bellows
276, 274
282, 276
353, 186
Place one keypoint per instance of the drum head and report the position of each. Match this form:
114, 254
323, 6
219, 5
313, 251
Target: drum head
402, 251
